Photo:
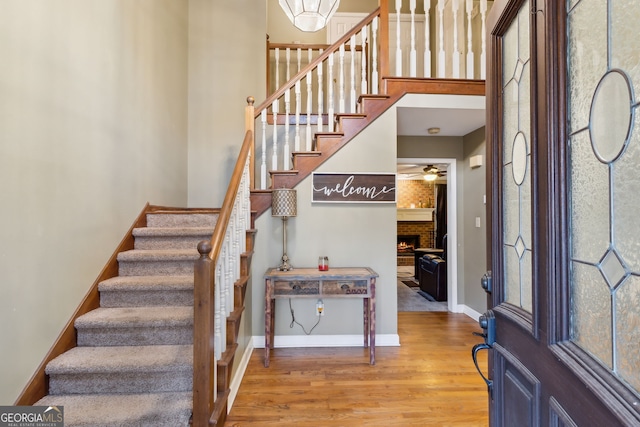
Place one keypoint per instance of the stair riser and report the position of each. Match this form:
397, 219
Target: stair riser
112, 299
158, 335
181, 220
130, 382
168, 242
156, 268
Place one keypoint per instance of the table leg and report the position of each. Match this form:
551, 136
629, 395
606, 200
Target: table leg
372, 323
267, 322
365, 317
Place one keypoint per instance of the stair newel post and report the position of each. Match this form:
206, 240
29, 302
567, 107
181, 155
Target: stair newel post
204, 364
249, 125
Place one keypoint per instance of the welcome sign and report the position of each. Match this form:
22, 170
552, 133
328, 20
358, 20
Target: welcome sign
353, 187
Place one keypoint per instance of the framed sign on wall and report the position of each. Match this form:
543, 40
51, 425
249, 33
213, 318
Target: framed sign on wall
353, 187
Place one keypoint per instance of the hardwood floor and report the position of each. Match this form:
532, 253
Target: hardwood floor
430, 380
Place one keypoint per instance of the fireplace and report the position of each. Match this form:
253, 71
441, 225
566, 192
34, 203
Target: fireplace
407, 243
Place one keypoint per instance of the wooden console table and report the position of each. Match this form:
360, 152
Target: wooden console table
344, 282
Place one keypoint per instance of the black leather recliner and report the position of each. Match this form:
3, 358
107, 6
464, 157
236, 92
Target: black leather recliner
433, 276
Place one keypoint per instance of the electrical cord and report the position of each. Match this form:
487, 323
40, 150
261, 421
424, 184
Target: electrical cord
295, 322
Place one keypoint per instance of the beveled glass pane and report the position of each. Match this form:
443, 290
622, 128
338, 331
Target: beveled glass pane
523, 31
527, 283
510, 120
612, 269
626, 203
525, 99
589, 201
512, 276
511, 208
628, 331
519, 158
525, 207
624, 55
591, 312
587, 56
610, 116
509, 53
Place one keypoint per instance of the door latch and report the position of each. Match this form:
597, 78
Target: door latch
488, 324
487, 282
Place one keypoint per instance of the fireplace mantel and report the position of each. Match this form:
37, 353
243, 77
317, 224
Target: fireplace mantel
417, 214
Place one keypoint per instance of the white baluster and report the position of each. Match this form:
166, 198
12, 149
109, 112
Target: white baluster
320, 93
286, 150
456, 52
441, 55
413, 72
374, 61
483, 55
352, 80
427, 39
299, 56
277, 53
364, 87
263, 163
470, 66
330, 100
309, 101
398, 48
298, 107
274, 154
288, 55
341, 88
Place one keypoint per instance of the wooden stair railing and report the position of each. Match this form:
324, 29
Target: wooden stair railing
220, 279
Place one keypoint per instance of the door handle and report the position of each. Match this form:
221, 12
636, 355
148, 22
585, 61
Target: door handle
487, 282
488, 324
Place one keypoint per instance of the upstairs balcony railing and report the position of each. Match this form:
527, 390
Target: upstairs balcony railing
310, 84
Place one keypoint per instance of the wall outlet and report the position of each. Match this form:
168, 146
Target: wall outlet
319, 308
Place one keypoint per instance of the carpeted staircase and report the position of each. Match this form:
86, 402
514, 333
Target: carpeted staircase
133, 365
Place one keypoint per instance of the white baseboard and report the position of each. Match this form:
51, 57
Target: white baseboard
469, 312
239, 374
302, 341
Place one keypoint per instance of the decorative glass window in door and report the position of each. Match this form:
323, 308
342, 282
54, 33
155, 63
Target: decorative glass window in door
604, 160
516, 139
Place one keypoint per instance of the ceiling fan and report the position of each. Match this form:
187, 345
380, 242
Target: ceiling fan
428, 172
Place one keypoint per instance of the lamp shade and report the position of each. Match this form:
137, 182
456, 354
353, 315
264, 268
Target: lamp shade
309, 15
284, 202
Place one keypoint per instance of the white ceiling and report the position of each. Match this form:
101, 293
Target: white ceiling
451, 121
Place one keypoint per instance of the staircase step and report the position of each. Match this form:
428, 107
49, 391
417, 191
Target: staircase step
146, 291
204, 218
136, 326
146, 262
117, 410
129, 369
170, 237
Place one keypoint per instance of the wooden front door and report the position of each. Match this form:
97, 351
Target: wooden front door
563, 133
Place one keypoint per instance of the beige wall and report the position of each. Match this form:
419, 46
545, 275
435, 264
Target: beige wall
359, 234
475, 238
93, 124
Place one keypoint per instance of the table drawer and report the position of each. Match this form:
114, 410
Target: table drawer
296, 287
344, 287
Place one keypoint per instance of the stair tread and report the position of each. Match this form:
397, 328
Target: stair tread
136, 317
84, 360
146, 283
158, 254
152, 409
172, 231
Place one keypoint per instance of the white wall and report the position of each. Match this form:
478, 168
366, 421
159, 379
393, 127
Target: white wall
93, 124
349, 234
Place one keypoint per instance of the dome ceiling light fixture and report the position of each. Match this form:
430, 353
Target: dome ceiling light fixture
309, 15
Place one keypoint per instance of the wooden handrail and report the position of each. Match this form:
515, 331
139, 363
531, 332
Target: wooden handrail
312, 65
